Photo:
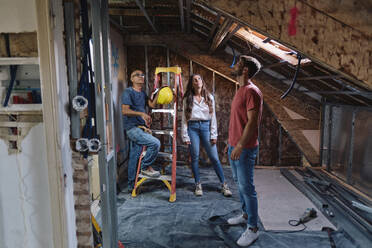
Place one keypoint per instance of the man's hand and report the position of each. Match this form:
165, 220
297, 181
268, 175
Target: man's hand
187, 142
235, 154
147, 119
213, 141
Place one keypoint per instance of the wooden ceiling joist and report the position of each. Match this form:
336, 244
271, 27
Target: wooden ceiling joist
214, 27
182, 18
146, 15
188, 15
221, 34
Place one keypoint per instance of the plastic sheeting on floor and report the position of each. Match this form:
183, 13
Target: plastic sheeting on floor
149, 220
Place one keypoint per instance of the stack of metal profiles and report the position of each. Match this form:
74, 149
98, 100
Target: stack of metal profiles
344, 208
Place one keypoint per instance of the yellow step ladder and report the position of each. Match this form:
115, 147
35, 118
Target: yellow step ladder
168, 180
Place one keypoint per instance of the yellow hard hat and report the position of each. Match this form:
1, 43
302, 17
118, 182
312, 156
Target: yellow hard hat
165, 95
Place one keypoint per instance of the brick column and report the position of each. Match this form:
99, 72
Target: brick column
82, 201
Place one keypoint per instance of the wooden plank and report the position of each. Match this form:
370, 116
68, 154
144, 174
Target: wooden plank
221, 34
214, 27
50, 101
19, 61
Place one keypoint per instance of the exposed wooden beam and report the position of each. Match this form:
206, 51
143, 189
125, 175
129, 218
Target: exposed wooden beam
117, 25
221, 34
214, 27
182, 18
146, 15
188, 18
228, 37
318, 77
139, 12
280, 63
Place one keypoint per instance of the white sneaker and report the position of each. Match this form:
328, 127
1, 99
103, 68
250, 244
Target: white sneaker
198, 190
225, 190
247, 238
151, 173
237, 220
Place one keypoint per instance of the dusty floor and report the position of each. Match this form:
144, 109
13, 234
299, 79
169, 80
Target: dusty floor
149, 220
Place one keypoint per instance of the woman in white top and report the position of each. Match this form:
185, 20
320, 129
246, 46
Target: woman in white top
199, 125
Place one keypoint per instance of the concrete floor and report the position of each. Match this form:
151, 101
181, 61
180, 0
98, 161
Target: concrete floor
279, 201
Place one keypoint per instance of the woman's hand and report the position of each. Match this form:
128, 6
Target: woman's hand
213, 141
187, 142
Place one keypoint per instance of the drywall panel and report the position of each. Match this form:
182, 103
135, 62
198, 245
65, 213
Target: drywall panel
25, 212
17, 16
119, 82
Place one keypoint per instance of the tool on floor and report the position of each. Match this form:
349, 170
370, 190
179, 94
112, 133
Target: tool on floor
308, 215
178, 92
97, 234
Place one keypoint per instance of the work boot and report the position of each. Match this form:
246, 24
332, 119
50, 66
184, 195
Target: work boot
248, 237
225, 190
240, 219
150, 172
198, 190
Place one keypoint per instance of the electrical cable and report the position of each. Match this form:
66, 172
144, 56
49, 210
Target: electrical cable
234, 59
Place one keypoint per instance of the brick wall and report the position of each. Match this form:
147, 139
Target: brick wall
82, 201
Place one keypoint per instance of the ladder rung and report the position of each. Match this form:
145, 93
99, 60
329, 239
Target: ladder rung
164, 132
162, 177
165, 155
170, 111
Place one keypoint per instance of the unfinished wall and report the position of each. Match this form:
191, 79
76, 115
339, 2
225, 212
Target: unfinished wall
25, 211
319, 36
224, 92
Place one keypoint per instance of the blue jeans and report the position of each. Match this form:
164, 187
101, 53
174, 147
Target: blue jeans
200, 131
242, 171
139, 138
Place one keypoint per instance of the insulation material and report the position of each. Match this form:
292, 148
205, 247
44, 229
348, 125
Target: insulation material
21, 45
